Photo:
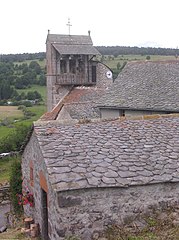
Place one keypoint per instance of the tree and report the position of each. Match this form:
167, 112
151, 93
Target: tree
118, 66
16, 184
148, 57
15, 140
6, 91
35, 66
42, 79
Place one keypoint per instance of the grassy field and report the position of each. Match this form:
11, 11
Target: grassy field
40, 89
8, 128
11, 112
15, 233
10, 116
41, 63
112, 63
5, 165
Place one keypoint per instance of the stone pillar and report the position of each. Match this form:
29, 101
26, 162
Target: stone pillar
50, 92
86, 68
68, 65
58, 66
76, 63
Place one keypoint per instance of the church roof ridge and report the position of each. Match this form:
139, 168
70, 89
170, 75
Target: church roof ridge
66, 38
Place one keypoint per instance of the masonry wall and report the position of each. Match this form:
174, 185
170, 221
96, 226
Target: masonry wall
86, 213
51, 79
33, 156
102, 80
107, 113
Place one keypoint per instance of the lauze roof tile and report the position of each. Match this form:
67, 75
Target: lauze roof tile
145, 85
116, 153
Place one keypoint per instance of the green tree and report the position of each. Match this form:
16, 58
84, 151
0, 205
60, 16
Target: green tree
118, 66
35, 66
33, 95
16, 184
15, 140
6, 91
42, 79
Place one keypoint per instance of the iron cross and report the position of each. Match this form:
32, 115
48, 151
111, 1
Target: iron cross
69, 25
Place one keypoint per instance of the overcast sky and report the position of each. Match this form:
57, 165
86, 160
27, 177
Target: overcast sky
24, 23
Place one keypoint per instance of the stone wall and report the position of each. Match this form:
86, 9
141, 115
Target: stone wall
111, 113
102, 80
33, 156
4, 194
59, 93
85, 213
88, 211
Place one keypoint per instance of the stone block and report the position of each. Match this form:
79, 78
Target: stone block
65, 202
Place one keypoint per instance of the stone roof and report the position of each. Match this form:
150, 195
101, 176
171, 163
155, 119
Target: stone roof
52, 115
70, 39
145, 85
81, 102
116, 153
73, 44
76, 49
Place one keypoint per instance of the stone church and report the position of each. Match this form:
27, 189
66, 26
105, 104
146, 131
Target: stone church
86, 173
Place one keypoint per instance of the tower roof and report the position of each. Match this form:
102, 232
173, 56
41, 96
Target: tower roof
72, 44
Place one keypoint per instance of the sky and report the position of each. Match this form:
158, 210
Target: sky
150, 23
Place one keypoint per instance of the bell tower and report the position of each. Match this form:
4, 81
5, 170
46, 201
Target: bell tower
69, 60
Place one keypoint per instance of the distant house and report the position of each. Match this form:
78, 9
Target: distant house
143, 88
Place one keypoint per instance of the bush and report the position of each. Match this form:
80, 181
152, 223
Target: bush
16, 184
27, 103
115, 73
118, 66
15, 140
3, 102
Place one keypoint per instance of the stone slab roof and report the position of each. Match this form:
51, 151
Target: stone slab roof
76, 49
145, 85
53, 114
117, 153
73, 44
70, 39
81, 102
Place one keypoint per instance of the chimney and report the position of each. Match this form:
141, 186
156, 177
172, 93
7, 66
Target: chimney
89, 32
48, 31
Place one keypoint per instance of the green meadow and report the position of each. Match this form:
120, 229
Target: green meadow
112, 62
11, 116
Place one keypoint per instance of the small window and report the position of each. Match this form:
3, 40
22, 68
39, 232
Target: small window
93, 73
122, 113
63, 66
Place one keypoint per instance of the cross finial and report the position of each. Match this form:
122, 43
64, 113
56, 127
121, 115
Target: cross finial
69, 25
